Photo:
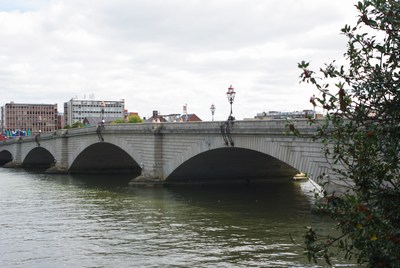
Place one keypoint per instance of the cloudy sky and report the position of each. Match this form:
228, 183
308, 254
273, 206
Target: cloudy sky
162, 54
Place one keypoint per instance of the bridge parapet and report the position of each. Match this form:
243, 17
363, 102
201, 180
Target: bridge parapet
269, 127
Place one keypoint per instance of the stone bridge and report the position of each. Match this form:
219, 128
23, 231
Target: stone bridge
174, 152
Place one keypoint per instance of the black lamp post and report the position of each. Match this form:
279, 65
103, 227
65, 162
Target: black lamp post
231, 96
40, 124
212, 108
37, 136
102, 106
312, 100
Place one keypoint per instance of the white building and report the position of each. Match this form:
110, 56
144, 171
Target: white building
77, 109
285, 115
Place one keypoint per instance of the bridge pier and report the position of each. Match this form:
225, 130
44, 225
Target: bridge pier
12, 164
152, 167
60, 154
148, 177
56, 169
16, 157
146, 180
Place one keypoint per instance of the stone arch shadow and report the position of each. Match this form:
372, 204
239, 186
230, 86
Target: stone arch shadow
5, 157
103, 158
38, 157
230, 164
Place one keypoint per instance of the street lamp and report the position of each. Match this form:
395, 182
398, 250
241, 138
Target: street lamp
312, 100
231, 96
37, 136
102, 106
212, 108
185, 112
40, 124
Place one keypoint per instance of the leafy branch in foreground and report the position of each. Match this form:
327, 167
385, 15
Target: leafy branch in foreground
361, 134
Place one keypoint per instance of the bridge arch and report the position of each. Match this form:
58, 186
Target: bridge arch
38, 157
104, 157
296, 154
5, 157
230, 164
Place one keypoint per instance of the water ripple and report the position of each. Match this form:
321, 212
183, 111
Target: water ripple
52, 221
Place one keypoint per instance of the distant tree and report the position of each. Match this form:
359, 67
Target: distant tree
77, 124
135, 119
362, 134
119, 121
131, 119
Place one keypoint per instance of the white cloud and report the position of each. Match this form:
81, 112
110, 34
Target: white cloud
161, 54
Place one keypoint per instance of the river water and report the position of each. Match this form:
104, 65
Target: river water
98, 221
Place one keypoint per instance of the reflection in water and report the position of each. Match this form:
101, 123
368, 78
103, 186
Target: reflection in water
95, 221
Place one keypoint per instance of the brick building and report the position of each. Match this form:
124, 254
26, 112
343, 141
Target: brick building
29, 118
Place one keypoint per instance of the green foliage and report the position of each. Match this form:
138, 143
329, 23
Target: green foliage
119, 121
135, 119
77, 125
131, 119
74, 125
361, 134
